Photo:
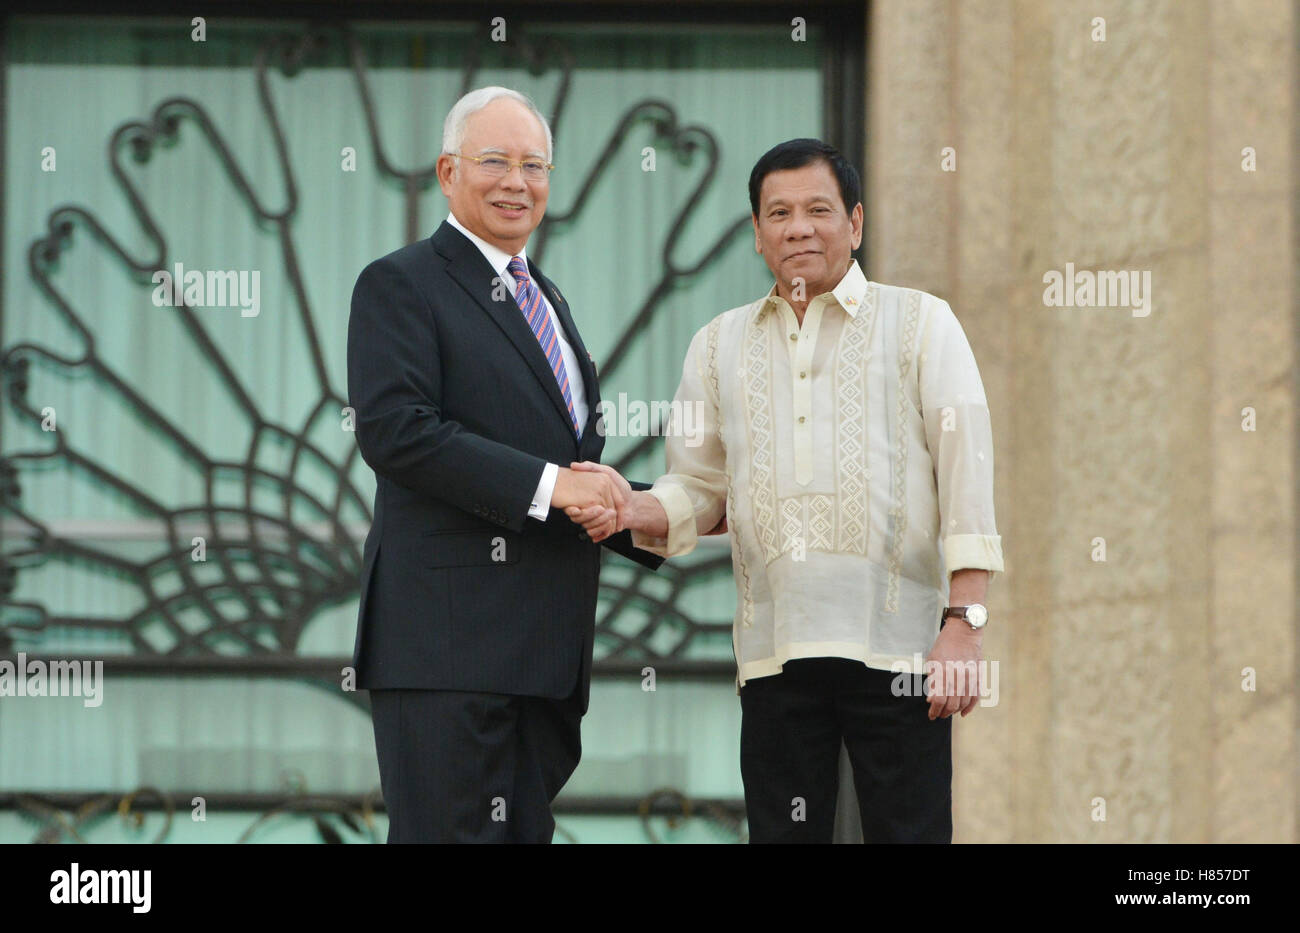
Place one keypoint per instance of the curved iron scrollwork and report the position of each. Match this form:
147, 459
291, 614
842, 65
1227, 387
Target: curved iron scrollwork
93, 809
336, 819
726, 824
272, 571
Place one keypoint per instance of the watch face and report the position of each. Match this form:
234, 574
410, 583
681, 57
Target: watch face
977, 615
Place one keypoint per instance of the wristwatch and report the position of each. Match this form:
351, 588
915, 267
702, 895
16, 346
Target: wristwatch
976, 616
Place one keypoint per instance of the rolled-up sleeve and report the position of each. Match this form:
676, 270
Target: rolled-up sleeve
693, 491
960, 438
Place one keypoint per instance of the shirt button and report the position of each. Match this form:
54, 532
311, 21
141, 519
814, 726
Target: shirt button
801, 419
803, 375
794, 336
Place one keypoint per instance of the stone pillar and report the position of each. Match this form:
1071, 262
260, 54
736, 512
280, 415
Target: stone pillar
1120, 681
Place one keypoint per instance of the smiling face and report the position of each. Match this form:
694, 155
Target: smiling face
803, 230
503, 210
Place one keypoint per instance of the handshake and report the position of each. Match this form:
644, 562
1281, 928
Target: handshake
596, 497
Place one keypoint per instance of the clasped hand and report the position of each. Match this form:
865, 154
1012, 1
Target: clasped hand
638, 511
594, 496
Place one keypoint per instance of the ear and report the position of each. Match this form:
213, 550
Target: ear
445, 166
855, 221
758, 241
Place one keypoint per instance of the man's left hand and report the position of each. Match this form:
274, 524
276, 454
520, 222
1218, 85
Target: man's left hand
957, 682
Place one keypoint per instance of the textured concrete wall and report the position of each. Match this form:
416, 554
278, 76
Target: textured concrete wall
1119, 679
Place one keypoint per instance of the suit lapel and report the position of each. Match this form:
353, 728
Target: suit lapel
468, 267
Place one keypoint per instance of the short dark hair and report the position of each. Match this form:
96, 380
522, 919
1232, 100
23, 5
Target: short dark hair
796, 153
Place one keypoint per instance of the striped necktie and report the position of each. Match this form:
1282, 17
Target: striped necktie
530, 302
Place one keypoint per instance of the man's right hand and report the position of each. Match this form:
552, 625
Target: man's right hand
593, 493
643, 512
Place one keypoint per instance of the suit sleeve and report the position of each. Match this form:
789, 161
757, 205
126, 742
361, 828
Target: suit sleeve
394, 388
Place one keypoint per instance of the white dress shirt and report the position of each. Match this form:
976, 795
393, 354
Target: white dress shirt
499, 260
854, 459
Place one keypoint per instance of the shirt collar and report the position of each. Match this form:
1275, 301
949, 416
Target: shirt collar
849, 293
497, 258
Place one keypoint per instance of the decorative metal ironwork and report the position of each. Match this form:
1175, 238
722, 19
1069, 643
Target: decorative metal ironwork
334, 817
277, 570
728, 823
277, 573
90, 809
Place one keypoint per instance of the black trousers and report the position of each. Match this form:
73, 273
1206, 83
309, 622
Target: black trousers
792, 724
457, 766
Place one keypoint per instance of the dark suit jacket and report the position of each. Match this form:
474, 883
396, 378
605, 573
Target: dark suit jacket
457, 412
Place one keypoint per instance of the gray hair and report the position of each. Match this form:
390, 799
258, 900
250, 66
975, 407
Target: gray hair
453, 128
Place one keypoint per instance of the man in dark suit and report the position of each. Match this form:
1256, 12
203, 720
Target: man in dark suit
473, 395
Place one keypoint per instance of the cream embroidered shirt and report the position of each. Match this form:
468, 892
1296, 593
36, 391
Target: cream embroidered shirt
853, 457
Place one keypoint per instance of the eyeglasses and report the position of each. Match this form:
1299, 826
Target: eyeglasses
532, 169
